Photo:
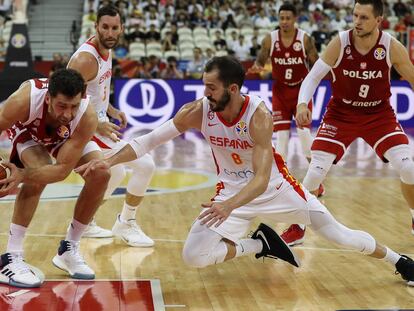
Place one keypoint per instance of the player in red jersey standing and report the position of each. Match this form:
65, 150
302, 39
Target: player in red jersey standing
360, 60
292, 52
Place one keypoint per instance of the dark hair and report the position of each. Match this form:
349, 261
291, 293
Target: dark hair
377, 5
171, 59
229, 68
110, 10
288, 7
67, 82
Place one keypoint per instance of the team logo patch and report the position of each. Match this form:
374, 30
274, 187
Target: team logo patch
348, 50
379, 53
363, 66
210, 115
241, 128
297, 46
63, 131
287, 54
18, 40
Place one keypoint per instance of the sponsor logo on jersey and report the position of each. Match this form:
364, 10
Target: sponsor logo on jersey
62, 131
379, 53
241, 129
288, 61
210, 115
277, 46
361, 103
364, 75
243, 174
297, 46
348, 50
231, 143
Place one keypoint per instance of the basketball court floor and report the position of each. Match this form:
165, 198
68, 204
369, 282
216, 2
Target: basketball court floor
361, 192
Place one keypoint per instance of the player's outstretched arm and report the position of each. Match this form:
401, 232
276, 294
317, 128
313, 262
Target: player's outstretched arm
189, 116
401, 61
319, 70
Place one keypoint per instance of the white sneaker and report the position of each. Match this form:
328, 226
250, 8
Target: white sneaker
94, 231
15, 272
131, 233
69, 259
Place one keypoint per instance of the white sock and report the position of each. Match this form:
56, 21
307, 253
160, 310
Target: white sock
412, 212
302, 226
248, 246
16, 237
128, 212
75, 231
391, 256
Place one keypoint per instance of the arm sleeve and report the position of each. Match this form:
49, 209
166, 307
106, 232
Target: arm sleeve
158, 136
311, 82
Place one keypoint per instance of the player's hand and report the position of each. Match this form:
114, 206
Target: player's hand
303, 115
92, 165
120, 116
11, 183
109, 129
255, 69
216, 213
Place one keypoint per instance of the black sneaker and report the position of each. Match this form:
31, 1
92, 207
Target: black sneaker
405, 267
273, 246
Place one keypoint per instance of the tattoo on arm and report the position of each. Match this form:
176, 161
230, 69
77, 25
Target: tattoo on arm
311, 51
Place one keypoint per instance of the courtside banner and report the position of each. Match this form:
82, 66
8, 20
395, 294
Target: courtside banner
149, 103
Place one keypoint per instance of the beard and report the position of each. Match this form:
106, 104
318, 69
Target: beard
220, 104
107, 44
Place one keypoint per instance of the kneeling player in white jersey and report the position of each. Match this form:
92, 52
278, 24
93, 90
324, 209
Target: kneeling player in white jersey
254, 180
93, 60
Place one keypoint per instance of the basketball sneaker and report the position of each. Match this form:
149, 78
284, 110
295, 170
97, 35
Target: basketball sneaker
95, 231
405, 267
69, 259
131, 233
15, 272
274, 246
321, 191
294, 235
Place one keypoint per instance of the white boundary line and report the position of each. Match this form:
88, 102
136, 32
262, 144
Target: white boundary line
157, 295
323, 249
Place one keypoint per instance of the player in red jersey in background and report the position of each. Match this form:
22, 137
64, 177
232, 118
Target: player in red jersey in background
360, 60
292, 52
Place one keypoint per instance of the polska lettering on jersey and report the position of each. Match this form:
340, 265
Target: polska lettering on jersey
288, 61
364, 75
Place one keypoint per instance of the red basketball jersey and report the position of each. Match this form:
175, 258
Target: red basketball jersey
36, 129
362, 82
289, 66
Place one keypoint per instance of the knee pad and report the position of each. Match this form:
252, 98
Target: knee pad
142, 171
282, 142
319, 166
117, 175
305, 139
203, 247
401, 161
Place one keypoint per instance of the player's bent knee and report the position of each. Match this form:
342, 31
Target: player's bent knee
144, 165
193, 258
401, 161
319, 166
98, 175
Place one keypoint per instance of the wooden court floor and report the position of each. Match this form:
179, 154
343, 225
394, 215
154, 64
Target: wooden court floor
361, 193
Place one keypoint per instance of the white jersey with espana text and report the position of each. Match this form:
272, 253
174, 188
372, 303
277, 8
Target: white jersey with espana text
98, 88
232, 148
